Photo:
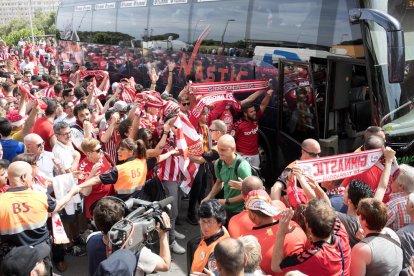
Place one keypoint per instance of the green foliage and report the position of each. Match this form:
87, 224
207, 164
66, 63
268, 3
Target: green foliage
14, 36
112, 38
43, 23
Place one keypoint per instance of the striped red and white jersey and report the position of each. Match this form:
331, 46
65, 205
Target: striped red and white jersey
169, 169
112, 145
50, 92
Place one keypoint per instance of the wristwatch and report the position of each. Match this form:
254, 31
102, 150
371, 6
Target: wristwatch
227, 201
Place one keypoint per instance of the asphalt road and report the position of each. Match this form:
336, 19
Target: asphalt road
79, 265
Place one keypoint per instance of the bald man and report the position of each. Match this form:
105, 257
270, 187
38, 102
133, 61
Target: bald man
372, 176
310, 150
24, 212
241, 224
230, 257
45, 159
224, 169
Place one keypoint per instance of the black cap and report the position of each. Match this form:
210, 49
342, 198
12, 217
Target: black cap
21, 260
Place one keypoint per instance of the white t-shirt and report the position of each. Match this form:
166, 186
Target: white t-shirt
77, 137
64, 154
147, 261
45, 164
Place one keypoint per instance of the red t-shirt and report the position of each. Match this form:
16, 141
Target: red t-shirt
294, 242
372, 178
246, 134
240, 224
44, 128
322, 258
98, 191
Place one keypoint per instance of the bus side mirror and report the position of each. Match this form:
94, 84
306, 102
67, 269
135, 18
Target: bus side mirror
395, 39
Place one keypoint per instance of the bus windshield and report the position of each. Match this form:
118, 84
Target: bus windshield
399, 120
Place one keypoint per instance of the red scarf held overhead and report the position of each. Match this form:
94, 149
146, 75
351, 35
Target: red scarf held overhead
26, 90
242, 86
99, 75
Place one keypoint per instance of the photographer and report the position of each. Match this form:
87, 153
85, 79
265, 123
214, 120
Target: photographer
106, 213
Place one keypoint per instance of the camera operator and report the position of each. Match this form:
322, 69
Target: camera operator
106, 213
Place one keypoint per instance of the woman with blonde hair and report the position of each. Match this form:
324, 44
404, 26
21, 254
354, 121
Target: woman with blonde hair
94, 164
128, 179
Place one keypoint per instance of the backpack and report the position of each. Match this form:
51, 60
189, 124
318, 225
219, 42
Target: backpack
255, 170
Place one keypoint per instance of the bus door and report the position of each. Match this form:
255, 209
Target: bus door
298, 118
347, 112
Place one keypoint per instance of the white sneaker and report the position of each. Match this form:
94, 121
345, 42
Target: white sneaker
176, 248
178, 235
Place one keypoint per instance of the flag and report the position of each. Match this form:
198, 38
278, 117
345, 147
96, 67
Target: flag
188, 142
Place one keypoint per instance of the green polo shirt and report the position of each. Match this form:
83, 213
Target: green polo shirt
228, 173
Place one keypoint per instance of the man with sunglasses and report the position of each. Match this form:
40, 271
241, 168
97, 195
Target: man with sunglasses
310, 150
45, 159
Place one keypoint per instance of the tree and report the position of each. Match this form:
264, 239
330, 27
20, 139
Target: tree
43, 24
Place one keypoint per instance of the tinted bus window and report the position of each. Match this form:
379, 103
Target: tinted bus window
132, 20
227, 20
82, 18
169, 20
320, 22
64, 21
104, 17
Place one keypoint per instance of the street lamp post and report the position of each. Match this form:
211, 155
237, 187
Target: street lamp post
225, 29
195, 28
30, 19
224, 32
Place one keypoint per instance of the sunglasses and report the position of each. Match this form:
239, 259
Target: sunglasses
185, 104
313, 154
213, 130
97, 150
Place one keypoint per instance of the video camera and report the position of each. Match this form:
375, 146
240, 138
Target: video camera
132, 231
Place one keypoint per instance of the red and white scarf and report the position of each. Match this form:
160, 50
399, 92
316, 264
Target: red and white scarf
242, 86
342, 165
211, 99
99, 76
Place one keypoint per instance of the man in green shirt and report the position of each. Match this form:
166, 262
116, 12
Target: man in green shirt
225, 170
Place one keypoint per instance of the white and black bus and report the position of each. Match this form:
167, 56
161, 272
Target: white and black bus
354, 74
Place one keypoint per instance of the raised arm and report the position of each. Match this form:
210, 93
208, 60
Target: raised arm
389, 155
266, 100
171, 67
282, 231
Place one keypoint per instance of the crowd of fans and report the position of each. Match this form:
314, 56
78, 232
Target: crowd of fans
80, 147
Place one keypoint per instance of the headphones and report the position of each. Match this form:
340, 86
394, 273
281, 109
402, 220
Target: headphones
118, 200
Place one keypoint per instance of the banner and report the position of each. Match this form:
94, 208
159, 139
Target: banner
340, 166
59, 234
206, 101
242, 86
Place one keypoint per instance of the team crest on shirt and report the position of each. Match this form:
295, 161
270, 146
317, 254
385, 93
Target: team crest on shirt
212, 264
269, 232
